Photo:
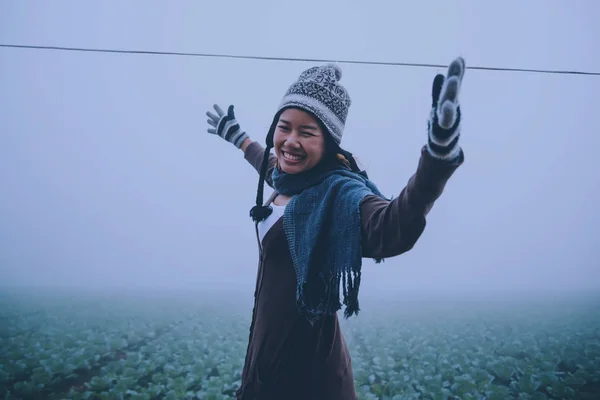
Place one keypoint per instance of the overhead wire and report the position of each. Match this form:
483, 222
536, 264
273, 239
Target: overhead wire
292, 59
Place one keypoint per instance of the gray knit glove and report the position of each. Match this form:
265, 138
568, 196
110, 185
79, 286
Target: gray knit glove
226, 126
444, 120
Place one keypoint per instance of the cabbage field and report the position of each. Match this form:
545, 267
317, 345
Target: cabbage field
70, 345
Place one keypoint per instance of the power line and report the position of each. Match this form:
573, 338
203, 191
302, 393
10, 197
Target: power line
315, 60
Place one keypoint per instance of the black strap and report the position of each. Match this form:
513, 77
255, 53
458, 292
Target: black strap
271, 198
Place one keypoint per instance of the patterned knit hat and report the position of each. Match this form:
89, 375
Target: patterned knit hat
318, 91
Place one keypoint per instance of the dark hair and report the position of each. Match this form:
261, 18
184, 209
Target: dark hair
332, 152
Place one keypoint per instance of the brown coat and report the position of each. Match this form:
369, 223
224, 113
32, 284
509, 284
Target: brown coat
287, 358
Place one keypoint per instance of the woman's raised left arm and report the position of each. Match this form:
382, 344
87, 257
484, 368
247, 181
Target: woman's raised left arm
390, 228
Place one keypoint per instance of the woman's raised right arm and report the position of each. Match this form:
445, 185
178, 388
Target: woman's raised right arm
253, 153
228, 128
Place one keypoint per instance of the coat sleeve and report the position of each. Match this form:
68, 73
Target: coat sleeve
390, 228
254, 155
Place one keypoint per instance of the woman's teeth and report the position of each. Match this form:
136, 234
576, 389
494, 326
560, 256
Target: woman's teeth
291, 156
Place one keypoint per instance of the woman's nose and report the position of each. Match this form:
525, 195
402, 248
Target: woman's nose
292, 140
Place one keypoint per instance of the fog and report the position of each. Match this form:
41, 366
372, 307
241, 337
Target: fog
109, 180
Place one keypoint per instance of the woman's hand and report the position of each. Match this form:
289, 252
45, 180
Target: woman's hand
444, 120
227, 127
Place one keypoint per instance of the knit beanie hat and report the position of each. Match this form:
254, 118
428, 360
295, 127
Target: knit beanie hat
318, 92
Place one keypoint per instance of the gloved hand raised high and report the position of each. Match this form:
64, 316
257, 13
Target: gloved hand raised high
445, 117
226, 126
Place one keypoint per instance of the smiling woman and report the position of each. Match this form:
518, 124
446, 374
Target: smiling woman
324, 216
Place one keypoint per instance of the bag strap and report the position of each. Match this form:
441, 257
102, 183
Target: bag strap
271, 198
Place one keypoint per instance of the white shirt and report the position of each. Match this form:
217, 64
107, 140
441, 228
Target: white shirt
264, 226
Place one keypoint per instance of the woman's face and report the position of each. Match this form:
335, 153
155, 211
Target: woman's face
299, 141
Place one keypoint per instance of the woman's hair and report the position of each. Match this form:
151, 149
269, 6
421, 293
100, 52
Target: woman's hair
332, 152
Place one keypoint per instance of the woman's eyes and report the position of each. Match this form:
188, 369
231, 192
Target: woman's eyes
286, 129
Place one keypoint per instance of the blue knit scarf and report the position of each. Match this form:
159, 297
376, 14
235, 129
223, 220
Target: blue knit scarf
323, 229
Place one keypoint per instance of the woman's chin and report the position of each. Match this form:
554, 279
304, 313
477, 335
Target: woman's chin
292, 167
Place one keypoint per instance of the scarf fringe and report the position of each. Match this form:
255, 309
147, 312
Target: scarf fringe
350, 280
351, 301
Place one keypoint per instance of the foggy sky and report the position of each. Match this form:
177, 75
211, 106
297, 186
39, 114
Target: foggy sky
108, 176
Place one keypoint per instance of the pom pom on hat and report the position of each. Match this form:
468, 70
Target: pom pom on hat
337, 70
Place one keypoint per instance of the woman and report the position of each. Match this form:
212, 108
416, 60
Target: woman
325, 216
